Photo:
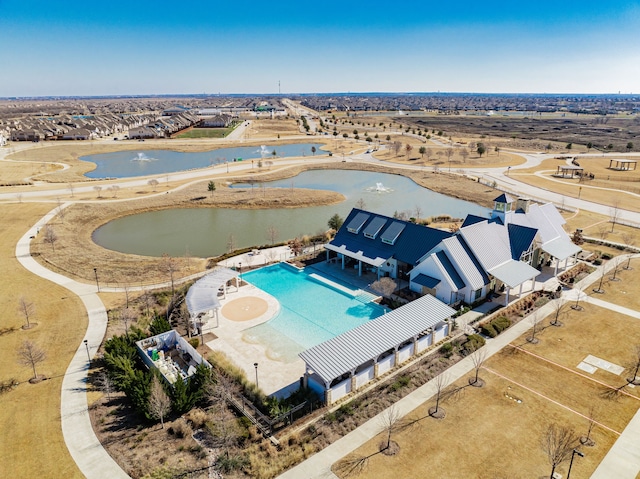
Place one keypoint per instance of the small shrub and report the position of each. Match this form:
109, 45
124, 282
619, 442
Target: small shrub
446, 350
488, 330
401, 382
540, 302
473, 343
195, 342
197, 417
500, 324
181, 429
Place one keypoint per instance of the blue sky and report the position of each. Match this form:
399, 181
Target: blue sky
158, 47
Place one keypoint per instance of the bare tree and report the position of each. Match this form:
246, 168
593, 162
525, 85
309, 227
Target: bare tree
360, 204
397, 146
599, 289
417, 211
127, 316
629, 241
385, 286
98, 190
478, 358
27, 309
578, 290
105, 384
586, 439
272, 234
534, 319
449, 154
147, 302
390, 419
224, 430
614, 213
603, 231
231, 243
50, 236
558, 308
633, 367
169, 266
408, 148
60, 210
558, 443
440, 382
114, 189
153, 183
71, 188
19, 197
159, 401
464, 153
30, 355
428, 152
616, 265
271, 255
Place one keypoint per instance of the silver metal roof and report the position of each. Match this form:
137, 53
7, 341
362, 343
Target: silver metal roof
561, 249
462, 260
489, 242
361, 255
203, 295
513, 273
356, 223
349, 350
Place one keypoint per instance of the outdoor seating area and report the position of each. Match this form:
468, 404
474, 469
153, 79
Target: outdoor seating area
170, 354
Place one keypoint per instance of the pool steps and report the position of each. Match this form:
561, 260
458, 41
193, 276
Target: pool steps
357, 294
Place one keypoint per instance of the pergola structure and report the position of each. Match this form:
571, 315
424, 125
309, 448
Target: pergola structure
347, 362
623, 165
569, 171
202, 297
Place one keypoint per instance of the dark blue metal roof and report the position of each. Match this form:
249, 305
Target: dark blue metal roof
451, 271
411, 244
426, 281
520, 238
472, 220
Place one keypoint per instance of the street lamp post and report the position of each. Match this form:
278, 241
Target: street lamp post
255, 365
573, 453
95, 272
86, 345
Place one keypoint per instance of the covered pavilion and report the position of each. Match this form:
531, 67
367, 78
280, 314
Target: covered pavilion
569, 171
623, 165
202, 298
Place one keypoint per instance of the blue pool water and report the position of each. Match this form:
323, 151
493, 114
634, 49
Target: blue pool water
310, 311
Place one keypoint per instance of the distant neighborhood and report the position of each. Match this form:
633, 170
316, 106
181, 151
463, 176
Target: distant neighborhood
47, 120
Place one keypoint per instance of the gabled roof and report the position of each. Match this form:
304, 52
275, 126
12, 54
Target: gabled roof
471, 220
503, 198
450, 270
520, 238
489, 242
346, 352
409, 246
464, 259
512, 273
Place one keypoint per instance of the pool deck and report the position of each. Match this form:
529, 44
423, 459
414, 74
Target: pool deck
273, 376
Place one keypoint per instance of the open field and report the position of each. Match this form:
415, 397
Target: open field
578, 130
487, 433
32, 442
205, 133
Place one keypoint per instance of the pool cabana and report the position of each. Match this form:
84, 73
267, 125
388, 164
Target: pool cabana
202, 298
623, 165
569, 171
347, 362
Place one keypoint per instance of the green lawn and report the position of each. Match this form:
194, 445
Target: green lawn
207, 132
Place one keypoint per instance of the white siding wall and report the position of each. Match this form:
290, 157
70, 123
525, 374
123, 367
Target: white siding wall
424, 342
385, 364
441, 332
340, 390
443, 290
363, 377
405, 353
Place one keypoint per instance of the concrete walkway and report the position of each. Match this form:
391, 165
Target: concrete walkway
92, 459
622, 461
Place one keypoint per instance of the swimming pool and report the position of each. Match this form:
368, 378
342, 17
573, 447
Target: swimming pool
312, 310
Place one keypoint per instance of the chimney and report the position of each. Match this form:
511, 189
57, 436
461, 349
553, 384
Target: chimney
523, 204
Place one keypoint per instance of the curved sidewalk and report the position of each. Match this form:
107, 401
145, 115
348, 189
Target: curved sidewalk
92, 459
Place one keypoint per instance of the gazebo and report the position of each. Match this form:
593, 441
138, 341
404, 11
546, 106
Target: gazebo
569, 171
202, 297
623, 165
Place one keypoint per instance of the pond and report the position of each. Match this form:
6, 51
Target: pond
126, 164
205, 232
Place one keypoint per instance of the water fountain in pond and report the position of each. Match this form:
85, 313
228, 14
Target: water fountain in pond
379, 188
142, 157
264, 152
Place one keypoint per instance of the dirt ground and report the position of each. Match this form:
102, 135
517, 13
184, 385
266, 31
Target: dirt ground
516, 398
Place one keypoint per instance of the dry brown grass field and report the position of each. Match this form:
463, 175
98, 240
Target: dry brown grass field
487, 433
31, 442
